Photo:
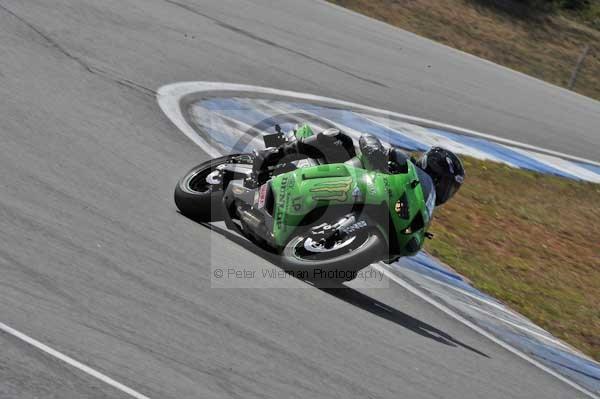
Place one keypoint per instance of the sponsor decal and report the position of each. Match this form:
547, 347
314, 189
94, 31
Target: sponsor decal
297, 204
262, 196
336, 190
282, 199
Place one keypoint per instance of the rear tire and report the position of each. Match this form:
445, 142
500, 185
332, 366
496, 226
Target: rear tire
198, 199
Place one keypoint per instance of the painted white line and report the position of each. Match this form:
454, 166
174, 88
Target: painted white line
526, 329
486, 301
170, 96
229, 133
72, 362
169, 102
430, 138
561, 164
416, 291
530, 328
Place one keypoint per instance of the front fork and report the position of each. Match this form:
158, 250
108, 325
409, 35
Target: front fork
329, 234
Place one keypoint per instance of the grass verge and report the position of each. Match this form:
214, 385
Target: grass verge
530, 240
546, 46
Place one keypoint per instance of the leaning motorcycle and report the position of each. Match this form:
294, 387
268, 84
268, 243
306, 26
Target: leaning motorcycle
317, 217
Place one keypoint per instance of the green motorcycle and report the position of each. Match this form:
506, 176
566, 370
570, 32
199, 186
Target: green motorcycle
316, 217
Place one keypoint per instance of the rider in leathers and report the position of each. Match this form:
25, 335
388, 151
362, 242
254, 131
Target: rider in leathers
443, 167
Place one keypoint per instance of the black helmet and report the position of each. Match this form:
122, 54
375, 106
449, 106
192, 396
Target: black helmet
445, 169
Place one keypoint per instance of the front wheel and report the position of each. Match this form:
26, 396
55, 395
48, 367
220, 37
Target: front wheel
311, 259
198, 194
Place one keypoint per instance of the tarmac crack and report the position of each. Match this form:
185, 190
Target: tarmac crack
104, 74
271, 43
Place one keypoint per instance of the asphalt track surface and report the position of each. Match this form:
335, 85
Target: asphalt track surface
96, 262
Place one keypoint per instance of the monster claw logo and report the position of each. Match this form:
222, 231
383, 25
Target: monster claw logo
332, 190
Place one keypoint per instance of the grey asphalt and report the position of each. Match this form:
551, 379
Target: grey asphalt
96, 262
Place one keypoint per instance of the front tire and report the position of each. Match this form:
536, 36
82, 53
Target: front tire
303, 258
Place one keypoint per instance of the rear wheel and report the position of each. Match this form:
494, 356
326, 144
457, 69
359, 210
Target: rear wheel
199, 192
340, 262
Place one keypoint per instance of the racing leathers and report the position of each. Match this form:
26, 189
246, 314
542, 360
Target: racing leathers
332, 146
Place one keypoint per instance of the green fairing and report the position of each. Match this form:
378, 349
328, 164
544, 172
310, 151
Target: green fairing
299, 192
303, 132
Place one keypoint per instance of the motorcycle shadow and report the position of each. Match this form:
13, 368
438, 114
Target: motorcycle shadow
359, 299
411, 323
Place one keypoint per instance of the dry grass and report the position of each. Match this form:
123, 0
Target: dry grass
544, 46
532, 241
